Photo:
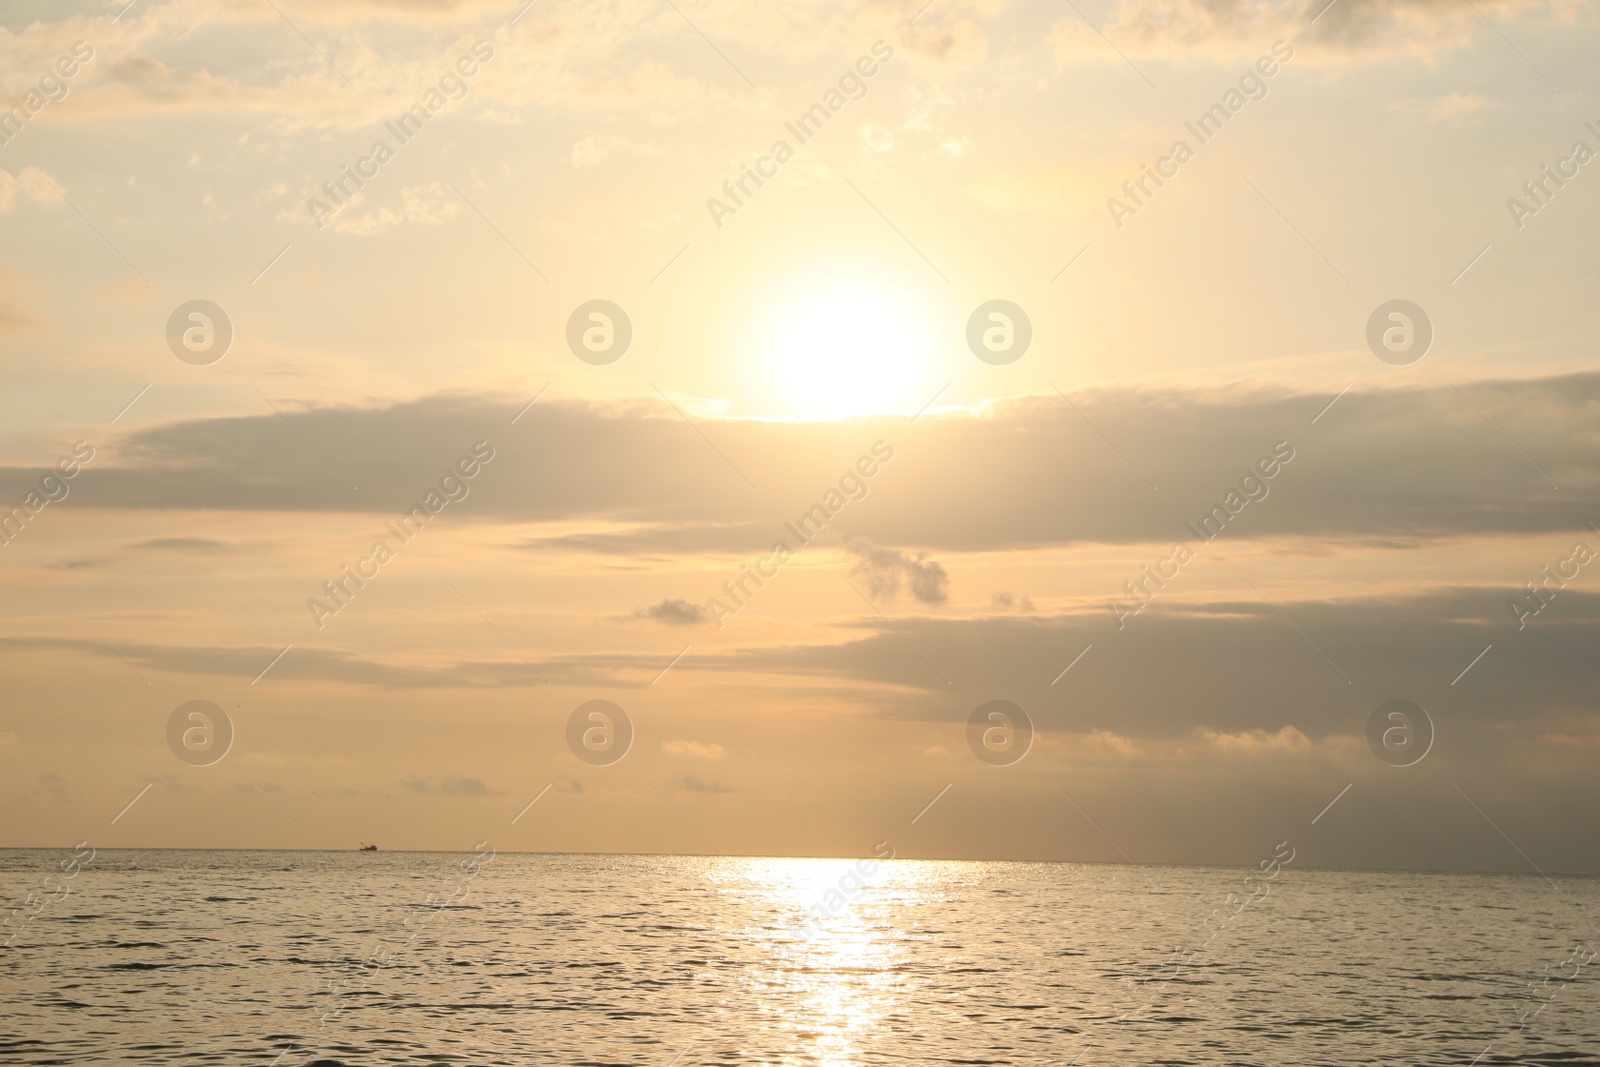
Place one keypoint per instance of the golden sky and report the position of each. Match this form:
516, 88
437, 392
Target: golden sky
1015, 296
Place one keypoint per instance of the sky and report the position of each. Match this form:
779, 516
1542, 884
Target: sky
1199, 377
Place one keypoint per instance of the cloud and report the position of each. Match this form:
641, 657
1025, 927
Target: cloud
1113, 742
148, 65
883, 570
395, 453
673, 612
1348, 31
627, 478
151, 79
51, 782
1452, 105
467, 787
695, 785
408, 9
29, 185
626, 670
958, 44
703, 750
1566, 740
179, 544
1007, 601
660, 539
1287, 739
429, 205
452, 787
1419, 27
1231, 663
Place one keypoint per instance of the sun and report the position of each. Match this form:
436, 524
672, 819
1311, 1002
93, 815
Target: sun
839, 344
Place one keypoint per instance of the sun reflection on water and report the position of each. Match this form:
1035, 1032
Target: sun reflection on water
836, 982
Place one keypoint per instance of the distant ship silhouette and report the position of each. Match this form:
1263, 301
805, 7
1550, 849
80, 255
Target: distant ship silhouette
367, 848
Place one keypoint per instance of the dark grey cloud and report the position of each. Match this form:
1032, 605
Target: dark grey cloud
616, 670
559, 461
1228, 665
1357, 24
1351, 27
451, 787
695, 785
673, 612
884, 570
1223, 664
657, 540
151, 78
179, 544
467, 787
1398, 465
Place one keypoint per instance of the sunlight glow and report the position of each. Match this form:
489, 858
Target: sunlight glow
847, 344
837, 981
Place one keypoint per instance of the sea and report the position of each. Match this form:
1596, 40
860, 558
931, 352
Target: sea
293, 958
